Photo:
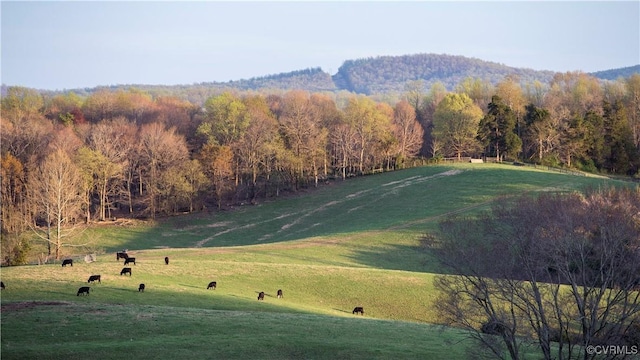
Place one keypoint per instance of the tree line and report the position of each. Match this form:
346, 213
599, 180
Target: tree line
576, 121
69, 159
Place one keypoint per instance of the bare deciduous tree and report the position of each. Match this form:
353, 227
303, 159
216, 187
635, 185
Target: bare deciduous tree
559, 271
55, 190
160, 149
371, 125
256, 148
112, 143
407, 130
302, 131
217, 164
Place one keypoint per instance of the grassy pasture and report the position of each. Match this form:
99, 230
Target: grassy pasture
107, 331
349, 243
397, 200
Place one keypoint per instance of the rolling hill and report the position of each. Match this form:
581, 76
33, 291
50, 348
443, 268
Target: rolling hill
349, 243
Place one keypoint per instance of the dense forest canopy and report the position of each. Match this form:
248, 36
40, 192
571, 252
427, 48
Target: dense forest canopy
70, 158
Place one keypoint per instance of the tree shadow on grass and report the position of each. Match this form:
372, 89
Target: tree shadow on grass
400, 257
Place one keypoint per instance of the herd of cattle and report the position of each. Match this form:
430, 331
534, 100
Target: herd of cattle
125, 270
84, 290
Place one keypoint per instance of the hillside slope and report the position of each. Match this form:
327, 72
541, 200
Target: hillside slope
350, 243
395, 207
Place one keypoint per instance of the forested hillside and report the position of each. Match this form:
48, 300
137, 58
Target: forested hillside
386, 74
382, 76
314, 80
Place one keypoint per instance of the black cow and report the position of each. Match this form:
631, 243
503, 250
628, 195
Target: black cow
121, 255
358, 310
66, 262
261, 295
279, 293
141, 288
83, 290
125, 271
130, 260
166, 260
1, 285
494, 328
213, 285
93, 278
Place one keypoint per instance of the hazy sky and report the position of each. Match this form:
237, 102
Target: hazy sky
64, 45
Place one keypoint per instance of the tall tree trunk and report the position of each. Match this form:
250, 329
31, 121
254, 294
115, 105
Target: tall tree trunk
48, 232
130, 200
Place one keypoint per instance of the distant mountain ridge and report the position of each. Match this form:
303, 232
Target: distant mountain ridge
390, 74
314, 80
385, 74
370, 76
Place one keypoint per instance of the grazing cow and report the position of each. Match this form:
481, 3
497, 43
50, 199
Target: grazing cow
121, 255
166, 260
83, 290
358, 310
213, 285
125, 271
66, 262
130, 260
279, 293
141, 288
494, 327
1, 285
261, 295
93, 278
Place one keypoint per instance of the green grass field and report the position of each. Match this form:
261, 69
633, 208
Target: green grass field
351, 243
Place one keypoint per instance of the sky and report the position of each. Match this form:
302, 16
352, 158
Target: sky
58, 45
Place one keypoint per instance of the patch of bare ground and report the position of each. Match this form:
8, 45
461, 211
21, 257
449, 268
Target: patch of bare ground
26, 305
127, 222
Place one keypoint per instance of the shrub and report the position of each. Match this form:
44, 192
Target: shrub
15, 250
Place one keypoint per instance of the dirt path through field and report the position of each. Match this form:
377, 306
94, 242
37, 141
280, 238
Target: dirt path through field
405, 225
381, 192
298, 218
